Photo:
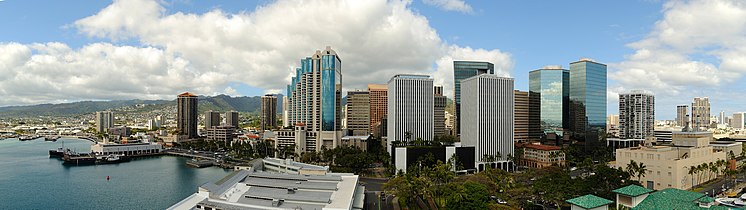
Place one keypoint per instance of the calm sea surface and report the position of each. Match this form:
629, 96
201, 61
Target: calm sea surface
29, 179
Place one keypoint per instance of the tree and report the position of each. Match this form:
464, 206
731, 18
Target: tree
692, 171
469, 195
641, 170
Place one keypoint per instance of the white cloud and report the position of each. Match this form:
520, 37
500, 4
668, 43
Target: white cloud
444, 69
450, 5
698, 44
206, 52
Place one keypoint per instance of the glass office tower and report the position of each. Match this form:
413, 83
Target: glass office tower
461, 71
550, 85
588, 101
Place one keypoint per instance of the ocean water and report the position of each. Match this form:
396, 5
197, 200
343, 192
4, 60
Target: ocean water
29, 179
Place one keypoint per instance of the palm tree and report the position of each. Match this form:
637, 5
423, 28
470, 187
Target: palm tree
713, 169
641, 171
692, 171
632, 167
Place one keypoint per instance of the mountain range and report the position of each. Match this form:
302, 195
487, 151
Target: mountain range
219, 103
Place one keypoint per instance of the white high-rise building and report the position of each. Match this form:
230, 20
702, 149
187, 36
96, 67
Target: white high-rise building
737, 122
636, 115
104, 121
721, 118
285, 112
487, 124
410, 108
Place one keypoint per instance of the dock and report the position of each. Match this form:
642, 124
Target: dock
200, 163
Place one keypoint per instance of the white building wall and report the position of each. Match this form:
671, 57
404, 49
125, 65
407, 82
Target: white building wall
737, 121
487, 115
410, 108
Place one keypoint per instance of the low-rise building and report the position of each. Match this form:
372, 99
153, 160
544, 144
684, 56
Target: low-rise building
668, 166
728, 147
221, 133
134, 149
540, 156
289, 166
589, 202
356, 141
630, 196
251, 189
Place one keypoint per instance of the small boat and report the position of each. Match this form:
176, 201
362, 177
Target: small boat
731, 202
112, 159
74, 158
52, 138
25, 138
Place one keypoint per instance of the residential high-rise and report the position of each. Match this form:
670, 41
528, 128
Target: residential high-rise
488, 126
551, 87
378, 106
285, 112
269, 112
461, 71
737, 122
439, 111
410, 109
212, 119
104, 121
358, 112
186, 115
588, 102
315, 100
636, 115
700, 114
682, 115
612, 125
231, 119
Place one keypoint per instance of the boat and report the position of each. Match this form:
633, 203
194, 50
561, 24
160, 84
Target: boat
51, 138
112, 159
25, 138
74, 158
59, 152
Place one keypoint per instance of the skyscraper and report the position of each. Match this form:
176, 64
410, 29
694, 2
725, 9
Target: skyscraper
378, 106
104, 121
439, 111
269, 112
737, 122
315, 99
636, 115
520, 116
701, 114
551, 87
721, 118
231, 119
212, 119
410, 108
682, 115
285, 112
358, 112
186, 115
588, 101
488, 126
461, 71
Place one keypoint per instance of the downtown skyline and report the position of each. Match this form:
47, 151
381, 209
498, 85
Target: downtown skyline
223, 47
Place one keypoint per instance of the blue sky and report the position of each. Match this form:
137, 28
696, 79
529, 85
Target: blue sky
525, 35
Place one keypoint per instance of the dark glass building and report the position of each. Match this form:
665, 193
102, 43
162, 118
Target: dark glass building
461, 71
551, 90
588, 102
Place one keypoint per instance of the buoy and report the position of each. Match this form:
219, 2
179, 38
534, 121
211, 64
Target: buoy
107, 178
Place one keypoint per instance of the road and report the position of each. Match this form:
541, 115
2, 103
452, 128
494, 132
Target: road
373, 189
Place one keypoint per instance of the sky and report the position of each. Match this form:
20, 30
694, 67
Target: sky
65, 51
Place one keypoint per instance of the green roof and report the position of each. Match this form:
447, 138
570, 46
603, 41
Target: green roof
672, 198
632, 190
706, 199
589, 201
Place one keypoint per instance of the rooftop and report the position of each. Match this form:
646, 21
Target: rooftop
632, 190
673, 198
246, 189
538, 146
187, 94
589, 201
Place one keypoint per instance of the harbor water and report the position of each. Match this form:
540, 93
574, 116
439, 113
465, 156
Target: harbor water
29, 179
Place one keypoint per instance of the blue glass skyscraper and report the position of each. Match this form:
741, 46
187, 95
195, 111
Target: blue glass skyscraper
314, 98
461, 71
550, 87
588, 101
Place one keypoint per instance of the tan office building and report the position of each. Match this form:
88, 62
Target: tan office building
668, 166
